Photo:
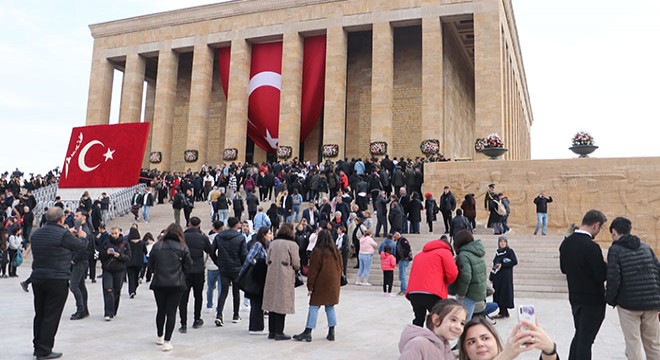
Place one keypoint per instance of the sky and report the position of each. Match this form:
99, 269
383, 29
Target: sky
590, 65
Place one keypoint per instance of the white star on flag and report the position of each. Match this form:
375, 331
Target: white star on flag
108, 154
271, 141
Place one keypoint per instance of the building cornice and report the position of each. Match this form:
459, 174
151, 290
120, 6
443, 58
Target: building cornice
196, 14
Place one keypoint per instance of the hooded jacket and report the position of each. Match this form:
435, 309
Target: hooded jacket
418, 343
433, 270
472, 273
633, 275
387, 261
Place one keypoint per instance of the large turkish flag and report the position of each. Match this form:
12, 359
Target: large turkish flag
102, 156
265, 85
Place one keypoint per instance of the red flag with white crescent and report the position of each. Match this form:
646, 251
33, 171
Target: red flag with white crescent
265, 85
102, 156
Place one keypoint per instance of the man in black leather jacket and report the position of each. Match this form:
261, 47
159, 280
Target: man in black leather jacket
230, 249
198, 244
80, 264
53, 247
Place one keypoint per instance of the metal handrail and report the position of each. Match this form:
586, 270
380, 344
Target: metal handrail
120, 201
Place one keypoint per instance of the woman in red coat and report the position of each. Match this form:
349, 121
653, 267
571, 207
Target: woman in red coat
432, 271
323, 281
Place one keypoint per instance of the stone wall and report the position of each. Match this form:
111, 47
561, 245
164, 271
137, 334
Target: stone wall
628, 187
407, 92
358, 94
181, 110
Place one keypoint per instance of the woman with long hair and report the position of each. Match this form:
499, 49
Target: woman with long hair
279, 292
480, 341
168, 261
502, 276
323, 281
257, 256
469, 207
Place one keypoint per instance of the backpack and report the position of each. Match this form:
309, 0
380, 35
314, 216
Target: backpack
499, 208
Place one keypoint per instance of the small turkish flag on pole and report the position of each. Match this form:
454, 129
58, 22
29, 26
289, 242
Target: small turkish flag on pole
102, 156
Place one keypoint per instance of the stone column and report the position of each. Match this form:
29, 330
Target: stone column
334, 107
200, 97
166, 82
150, 101
382, 83
290, 95
433, 109
100, 91
130, 108
489, 111
237, 97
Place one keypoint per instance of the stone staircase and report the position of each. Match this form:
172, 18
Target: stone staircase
537, 274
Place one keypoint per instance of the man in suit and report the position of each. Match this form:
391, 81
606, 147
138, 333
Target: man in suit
311, 215
136, 203
287, 206
581, 259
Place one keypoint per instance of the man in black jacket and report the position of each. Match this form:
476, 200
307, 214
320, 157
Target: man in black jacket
633, 286
198, 244
581, 259
311, 215
230, 250
80, 264
541, 202
53, 247
252, 204
447, 206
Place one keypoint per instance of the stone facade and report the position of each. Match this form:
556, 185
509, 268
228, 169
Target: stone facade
445, 69
626, 187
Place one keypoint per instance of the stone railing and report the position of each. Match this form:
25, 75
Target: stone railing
120, 201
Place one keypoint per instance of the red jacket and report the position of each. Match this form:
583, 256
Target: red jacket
387, 261
433, 270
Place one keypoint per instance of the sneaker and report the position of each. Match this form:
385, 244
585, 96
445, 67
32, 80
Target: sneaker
219, 322
160, 340
236, 319
392, 295
386, 294
183, 329
198, 323
107, 318
259, 332
24, 286
366, 284
167, 346
358, 283
401, 293
209, 310
132, 296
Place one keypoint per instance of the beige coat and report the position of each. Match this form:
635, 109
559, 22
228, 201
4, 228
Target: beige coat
283, 261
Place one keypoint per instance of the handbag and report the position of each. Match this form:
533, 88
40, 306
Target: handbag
245, 282
343, 281
299, 279
499, 208
18, 260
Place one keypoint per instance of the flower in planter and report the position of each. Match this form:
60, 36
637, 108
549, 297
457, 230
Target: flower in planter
378, 148
491, 141
479, 144
284, 152
230, 154
430, 147
582, 138
155, 157
190, 155
330, 150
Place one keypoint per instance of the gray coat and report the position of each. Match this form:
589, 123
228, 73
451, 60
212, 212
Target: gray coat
283, 261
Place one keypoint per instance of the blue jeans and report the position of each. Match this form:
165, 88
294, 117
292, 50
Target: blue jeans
212, 279
145, 212
541, 218
313, 314
469, 307
223, 215
295, 210
365, 265
491, 307
403, 277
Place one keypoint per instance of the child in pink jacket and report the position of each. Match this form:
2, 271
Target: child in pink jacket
387, 263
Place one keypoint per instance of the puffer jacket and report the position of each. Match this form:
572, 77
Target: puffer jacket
433, 270
169, 261
418, 343
230, 249
53, 248
111, 263
633, 275
472, 273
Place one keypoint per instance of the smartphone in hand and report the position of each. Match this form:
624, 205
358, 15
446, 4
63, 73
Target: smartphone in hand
527, 313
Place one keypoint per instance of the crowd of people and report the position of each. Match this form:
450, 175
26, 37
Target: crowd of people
319, 217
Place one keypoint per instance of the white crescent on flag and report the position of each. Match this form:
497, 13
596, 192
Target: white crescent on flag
83, 153
265, 78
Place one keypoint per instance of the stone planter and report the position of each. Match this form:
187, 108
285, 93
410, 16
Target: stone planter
583, 150
494, 152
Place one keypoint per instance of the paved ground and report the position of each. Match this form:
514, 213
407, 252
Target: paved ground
369, 324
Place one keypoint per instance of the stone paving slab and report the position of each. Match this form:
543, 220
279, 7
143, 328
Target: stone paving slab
369, 324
